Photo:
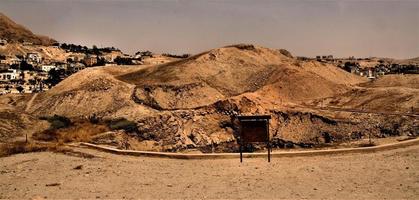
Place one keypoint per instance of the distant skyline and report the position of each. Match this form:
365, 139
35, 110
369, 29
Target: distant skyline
306, 28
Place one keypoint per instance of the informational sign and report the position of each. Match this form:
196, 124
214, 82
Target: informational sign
254, 129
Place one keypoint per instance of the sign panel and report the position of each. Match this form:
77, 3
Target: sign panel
254, 131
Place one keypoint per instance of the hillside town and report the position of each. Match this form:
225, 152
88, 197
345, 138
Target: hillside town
372, 67
35, 71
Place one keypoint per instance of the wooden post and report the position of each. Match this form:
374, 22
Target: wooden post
241, 144
269, 141
241, 153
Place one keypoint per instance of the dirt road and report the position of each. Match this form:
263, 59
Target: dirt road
391, 174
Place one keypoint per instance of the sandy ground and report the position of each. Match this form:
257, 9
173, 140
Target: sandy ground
386, 175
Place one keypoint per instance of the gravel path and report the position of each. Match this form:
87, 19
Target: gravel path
391, 174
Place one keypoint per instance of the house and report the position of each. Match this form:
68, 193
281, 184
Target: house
368, 72
75, 67
371, 74
109, 58
90, 60
8, 75
329, 58
111, 64
355, 69
33, 58
13, 61
75, 58
26, 43
47, 68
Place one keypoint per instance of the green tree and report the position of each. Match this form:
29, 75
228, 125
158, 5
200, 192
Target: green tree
54, 76
20, 89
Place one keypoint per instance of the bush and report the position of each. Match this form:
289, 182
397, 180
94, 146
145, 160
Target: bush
123, 124
47, 135
57, 122
93, 119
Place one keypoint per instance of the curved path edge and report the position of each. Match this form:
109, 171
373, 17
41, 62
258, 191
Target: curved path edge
254, 155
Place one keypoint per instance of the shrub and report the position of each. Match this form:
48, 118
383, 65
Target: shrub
286, 53
123, 124
47, 135
93, 119
57, 122
77, 132
81, 132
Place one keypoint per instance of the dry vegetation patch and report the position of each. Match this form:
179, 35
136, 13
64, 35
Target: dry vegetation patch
73, 132
8, 149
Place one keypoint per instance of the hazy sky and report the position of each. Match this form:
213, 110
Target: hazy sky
306, 28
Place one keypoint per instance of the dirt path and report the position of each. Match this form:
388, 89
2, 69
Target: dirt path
30, 102
391, 174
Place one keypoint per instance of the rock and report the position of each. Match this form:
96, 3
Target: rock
53, 184
78, 167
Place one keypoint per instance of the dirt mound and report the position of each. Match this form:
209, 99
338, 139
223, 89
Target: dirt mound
233, 70
14, 122
388, 94
380, 100
396, 80
17, 33
91, 91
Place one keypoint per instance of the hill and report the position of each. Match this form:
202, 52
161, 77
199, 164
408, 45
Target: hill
46, 52
14, 32
192, 103
234, 70
411, 61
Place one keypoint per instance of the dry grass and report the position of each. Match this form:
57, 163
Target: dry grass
78, 132
27, 147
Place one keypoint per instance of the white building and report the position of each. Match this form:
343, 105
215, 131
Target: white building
13, 61
11, 74
33, 57
47, 68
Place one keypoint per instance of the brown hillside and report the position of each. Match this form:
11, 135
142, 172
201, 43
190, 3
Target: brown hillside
390, 94
192, 103
91, 91
396, 80
14, 32
230, 71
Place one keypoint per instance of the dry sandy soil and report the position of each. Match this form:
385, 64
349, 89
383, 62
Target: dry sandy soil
386, 175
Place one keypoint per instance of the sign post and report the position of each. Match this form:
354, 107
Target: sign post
254, 129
